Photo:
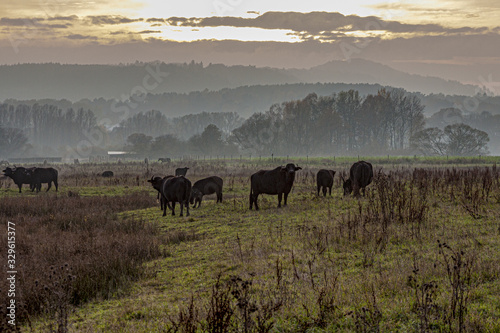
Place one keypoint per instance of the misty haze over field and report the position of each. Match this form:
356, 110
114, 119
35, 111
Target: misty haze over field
247, 78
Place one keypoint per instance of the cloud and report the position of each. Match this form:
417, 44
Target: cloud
318, 24
111, 20
154, 19
80, 37
149, 32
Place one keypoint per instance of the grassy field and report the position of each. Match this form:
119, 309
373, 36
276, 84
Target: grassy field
419, 253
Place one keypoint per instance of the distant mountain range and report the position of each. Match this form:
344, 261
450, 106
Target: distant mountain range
76, 82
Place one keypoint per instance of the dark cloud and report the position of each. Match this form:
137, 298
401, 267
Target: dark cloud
316, 23
63, 18
150, 32
80, 37
154, 19
111, 20
19, 22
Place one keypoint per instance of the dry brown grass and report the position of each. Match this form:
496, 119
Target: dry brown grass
70, 249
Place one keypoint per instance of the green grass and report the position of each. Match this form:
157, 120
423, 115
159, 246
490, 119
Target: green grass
312, 246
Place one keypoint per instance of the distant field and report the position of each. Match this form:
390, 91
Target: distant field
421, 252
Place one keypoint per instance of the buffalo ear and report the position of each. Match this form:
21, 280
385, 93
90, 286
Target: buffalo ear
298, 168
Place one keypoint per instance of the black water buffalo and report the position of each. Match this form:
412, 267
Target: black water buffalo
181, 171
206, 186
164, 159
157, 183
324, 179
360, 176
174, 189
20, 176
44, 175
277, 181
107, 173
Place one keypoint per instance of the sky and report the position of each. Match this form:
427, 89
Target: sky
455, 39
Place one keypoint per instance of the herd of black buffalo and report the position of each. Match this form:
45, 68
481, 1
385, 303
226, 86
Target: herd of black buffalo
35, 177
178, 189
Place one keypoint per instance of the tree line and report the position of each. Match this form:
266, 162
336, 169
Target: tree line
42, 127
344, 123
340, 124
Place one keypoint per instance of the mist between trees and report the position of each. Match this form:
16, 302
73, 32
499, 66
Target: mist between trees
344, 123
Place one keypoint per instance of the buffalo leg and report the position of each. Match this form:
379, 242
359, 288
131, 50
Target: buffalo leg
187, 208
21, 185
324, 191
50, 185
254, 200
182, 208
56, 185
319, 188
173, 208
286, 198
330, 188
280, 196
251, 200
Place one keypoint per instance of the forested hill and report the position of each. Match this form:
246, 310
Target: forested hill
76, 82
248, 100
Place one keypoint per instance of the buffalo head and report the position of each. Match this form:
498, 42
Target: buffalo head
347, 185
195, 196
8, 171
290, 168
156, 182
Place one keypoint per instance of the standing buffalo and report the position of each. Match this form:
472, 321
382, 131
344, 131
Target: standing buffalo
360, 176
164, 159
44, 175
324, 178
107, 173
20, 176
157, 183
277, 181
181, 171
173, 189
206, 186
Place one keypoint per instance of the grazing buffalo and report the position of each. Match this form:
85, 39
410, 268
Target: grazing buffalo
164, 159
44, 175
107, 174
20, 176
157, 183
278, 181
181, 171
360, 176
324, 179
206, 186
